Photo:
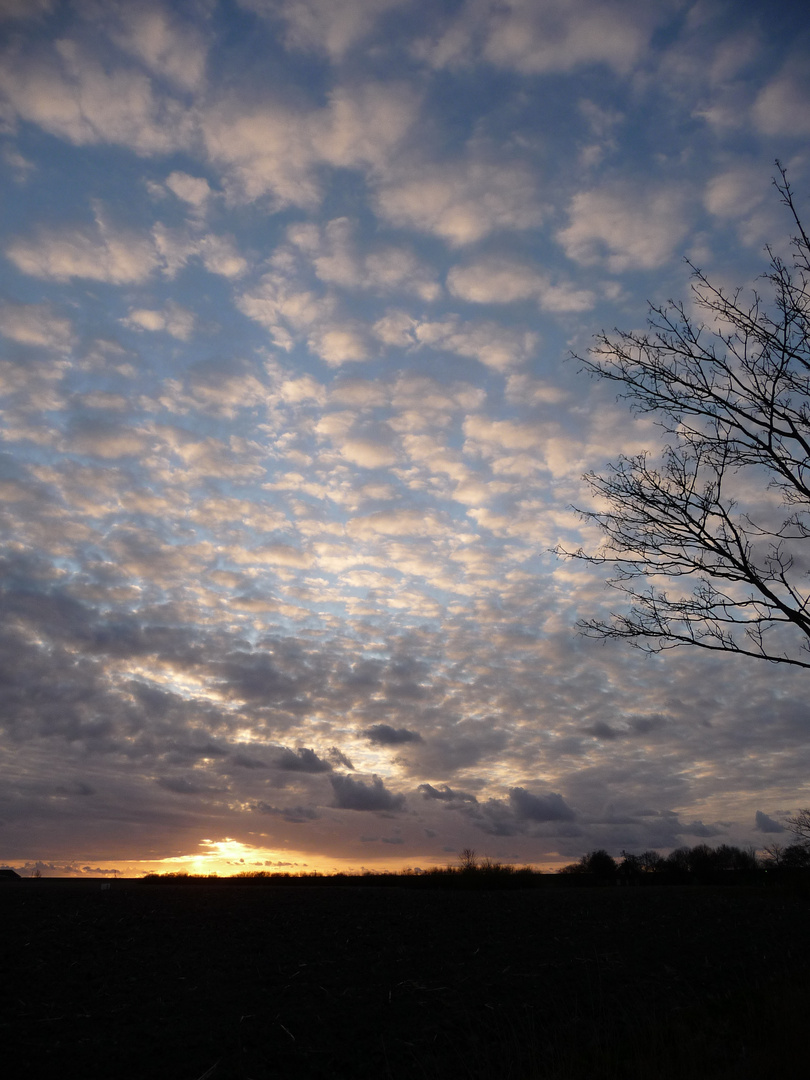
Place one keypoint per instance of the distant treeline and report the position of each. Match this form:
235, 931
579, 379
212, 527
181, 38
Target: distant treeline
702, 864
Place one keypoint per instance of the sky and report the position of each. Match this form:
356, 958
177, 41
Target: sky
290, 426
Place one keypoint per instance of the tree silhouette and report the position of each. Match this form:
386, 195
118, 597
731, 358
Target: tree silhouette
792, 857
800, 826
468, 860
733, 399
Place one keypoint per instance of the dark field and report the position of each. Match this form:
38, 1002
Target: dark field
238, 981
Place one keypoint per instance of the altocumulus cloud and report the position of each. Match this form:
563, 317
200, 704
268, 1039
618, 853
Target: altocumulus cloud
284, 456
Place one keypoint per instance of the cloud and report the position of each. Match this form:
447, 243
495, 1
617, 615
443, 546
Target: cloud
25, 9
337, 757
173, 319
522, 388
735, 192
504, 281
555, 36
179, 785
697, 828
301, 760
104, 438
338, 260
446, 794
766, 824
217, 387
339, 343
244, 761
496, 346
100, 253
295, 815
783, 106
601, 730
522, 812
171, 48
21, 167
625, 229
69, 93
463, 202
218, 254
528, 807
355, 795
396, 523
35, 325
285, 302
274, 149
329, 26
385, 735
367, 453
559, 35
503, 434
194, 190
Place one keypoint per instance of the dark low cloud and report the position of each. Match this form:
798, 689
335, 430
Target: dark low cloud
295, 815
78, 787
385, 735
337, 757
353, 794
179, 785
601, 730
242, 761
767, 824
697, 828
445, 794
528, 807
521, 812
303, 760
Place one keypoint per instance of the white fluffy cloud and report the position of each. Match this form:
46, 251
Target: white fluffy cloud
735, 192
152, 32
218, 254
99, 253
330, 26
624, 228
35, 324
540, 38
337, 259
462, 202
339, 343
783, 106
494, 345
503, 281
173, 319
274, 150
194, 190
69, 93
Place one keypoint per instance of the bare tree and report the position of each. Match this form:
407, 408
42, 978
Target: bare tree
800, 826
468, 860
733, 400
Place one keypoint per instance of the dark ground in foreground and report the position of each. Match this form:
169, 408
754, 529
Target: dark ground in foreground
231, 983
